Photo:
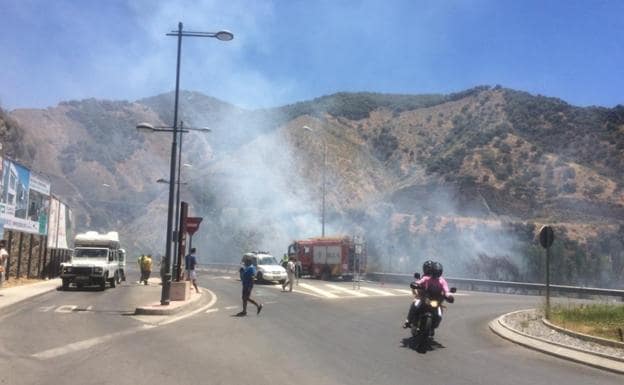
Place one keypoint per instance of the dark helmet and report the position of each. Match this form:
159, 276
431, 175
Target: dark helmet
437, 269
428, 267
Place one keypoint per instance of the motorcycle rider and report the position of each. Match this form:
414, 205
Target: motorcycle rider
427, 269
431, 281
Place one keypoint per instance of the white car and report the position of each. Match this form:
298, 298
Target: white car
267, 267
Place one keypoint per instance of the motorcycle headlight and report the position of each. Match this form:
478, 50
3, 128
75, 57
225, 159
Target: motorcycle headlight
434, 303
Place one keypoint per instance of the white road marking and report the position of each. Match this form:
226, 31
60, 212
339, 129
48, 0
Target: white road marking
377, 291
352, 292
212, 310
316, 290
65, 309
203, 308
89, 308
278, 287
86, 344
231, 307
46, 308
403, 291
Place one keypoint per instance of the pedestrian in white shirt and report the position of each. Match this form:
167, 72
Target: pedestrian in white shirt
4, 257
290, 270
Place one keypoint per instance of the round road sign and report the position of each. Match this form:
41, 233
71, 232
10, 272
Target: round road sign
546, 236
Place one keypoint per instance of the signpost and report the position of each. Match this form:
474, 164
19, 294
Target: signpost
191, 226
546, 238
181, 252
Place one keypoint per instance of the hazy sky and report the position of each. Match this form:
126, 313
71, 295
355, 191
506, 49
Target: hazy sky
291, 50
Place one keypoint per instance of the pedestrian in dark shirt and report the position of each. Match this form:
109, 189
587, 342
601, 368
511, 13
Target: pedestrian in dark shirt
247, 280
190, 261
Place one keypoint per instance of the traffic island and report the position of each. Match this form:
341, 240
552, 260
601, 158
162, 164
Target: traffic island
182, 299
526, 333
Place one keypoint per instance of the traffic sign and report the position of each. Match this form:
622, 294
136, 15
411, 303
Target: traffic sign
192, 224
546, 236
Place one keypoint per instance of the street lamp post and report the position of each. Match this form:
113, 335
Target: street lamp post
177, 212
165, 293
221, 35
324, 188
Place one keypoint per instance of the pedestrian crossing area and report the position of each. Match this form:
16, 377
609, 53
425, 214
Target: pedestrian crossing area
338, 290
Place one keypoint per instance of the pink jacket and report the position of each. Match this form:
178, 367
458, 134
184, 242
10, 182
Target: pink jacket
428, 282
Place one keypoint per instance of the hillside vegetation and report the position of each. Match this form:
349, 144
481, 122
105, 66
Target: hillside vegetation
467, 178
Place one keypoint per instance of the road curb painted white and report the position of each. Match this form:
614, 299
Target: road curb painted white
598, 361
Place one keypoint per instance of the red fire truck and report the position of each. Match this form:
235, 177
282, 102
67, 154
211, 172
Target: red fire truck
330, 256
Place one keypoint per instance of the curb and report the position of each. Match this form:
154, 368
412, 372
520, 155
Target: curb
157, 309
583, 357
586, 337
38, 294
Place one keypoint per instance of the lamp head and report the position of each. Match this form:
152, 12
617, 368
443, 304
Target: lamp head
224, 35
145, 126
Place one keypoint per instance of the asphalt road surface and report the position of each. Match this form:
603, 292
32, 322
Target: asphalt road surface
322, 333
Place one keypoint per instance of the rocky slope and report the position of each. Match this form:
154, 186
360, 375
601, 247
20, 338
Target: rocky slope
419, 175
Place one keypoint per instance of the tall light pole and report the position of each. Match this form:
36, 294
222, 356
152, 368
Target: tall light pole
221, 35
165, 293
324, 188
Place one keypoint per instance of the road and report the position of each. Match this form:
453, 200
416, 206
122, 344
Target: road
323, 333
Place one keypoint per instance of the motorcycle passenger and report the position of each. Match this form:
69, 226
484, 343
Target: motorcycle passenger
433, 283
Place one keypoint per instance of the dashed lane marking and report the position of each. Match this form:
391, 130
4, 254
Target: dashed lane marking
86, 344
346, 290
403, 291
212, 310
318, 291
231, 307
377, 291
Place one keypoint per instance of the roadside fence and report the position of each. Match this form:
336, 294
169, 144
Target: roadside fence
506, 286
29, 256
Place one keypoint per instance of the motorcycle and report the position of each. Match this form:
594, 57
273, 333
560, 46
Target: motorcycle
428, 316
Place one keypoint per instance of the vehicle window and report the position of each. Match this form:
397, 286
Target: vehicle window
267, 261
91, 253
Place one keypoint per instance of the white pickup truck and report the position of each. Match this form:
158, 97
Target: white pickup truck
97, 259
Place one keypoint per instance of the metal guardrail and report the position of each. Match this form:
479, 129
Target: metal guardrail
482, 284
464, 283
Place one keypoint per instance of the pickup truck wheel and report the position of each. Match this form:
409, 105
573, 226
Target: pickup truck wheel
103, 284
113, 281
282, 281
118, 278
65, 284
259, 277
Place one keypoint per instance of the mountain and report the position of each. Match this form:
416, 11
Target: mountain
467, 178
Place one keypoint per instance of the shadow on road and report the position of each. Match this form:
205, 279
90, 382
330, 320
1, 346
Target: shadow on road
411, 343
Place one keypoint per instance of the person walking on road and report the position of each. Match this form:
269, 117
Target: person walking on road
4, 257
146, 267
140, 262
247, 280
190, 261
290, 271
